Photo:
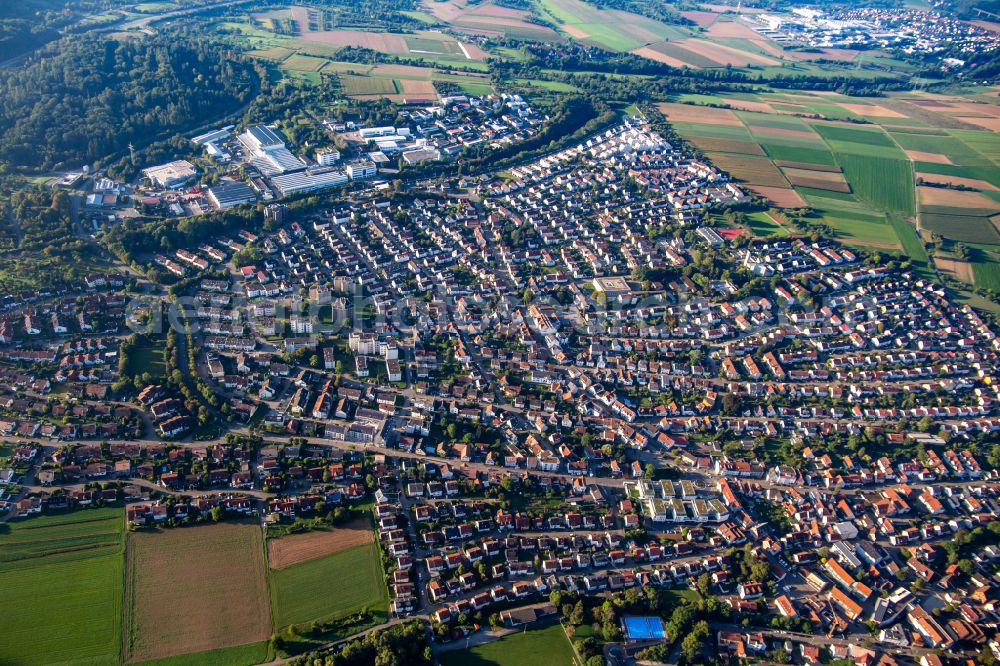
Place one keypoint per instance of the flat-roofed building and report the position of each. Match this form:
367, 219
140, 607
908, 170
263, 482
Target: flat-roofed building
306, 181
229, 193
268, 152
361, 170
172, 174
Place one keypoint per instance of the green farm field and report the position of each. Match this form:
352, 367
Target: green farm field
63, 571
364, 85
885, 183
329, 587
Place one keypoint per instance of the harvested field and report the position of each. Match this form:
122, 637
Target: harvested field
744, 105
191, 589
414, 89
921, 156
675, 49
652, 54
961, 270
992, 124
473, 51
690, 113
379, 41
403, 71
296, 548
785, 131
575, 32
726, 55
871, 110
957, 180
783, 197
824, 175
303, 63
754, 170
807, 166
967, 108
732, 29
708, 143
939, 196
276, 53
700, 18
987, 25
816, 184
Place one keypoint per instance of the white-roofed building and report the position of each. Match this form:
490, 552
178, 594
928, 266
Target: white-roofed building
305, 181
268, 152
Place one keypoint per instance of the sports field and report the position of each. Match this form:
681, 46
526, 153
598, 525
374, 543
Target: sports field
328, 587
540, 647
194, 589
61, 577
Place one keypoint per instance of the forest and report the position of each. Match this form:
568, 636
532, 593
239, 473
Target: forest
19, 36
83, 99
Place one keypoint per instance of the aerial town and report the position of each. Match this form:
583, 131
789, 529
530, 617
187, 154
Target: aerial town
540, 400
907, 31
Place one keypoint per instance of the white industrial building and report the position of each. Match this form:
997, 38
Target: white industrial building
306, 181
268, 152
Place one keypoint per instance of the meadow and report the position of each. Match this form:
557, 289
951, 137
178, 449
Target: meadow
62, 571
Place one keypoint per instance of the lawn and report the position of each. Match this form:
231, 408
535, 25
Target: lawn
63, 571
761, 224
540, 647
329, 588
147, 356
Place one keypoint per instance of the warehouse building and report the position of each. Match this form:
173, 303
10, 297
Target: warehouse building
229, 193
306, 181
267, 151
